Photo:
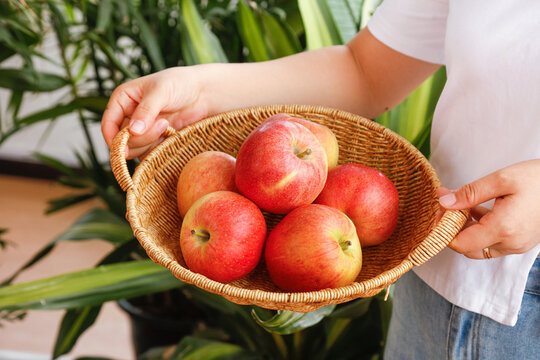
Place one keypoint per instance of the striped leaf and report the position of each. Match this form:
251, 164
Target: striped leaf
251, 32
343, 18
74, 323
318, 23
281, 39
30, 80
287, 322
88, 287
199, 44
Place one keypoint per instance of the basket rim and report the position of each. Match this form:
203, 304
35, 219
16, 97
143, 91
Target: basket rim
439, 237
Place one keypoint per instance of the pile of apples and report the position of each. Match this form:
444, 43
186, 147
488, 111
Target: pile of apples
286, 166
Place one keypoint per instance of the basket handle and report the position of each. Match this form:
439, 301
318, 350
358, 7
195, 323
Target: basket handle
443, 233
118, 157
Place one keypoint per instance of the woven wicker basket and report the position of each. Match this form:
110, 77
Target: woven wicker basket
153, 215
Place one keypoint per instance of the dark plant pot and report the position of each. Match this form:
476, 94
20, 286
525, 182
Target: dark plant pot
149, 330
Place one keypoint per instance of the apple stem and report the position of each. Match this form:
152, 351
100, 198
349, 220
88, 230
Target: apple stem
202, 235
304, 153
345, 244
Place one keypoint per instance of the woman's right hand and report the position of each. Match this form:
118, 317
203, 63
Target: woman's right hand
148, 105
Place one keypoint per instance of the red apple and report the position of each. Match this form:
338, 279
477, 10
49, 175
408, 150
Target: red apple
280, 166
313, 247
325, 136
205, 173
222, 236
367, 196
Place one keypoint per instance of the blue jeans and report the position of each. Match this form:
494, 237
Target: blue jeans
426, 326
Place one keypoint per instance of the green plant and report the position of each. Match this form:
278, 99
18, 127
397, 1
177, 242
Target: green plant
104, 43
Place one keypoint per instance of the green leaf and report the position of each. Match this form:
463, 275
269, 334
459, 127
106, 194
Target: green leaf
216, 302
55, 163
15, 102
114, 198
30, 80
67, 201
355, 7
95, 224
82, 70
353, 309
77, 321
60, 25
287, 322
104, 15
74, 323
320, 28
103, 217
251, 33
96, 104
343, 19
148, 38
109, 53
11, 45
199, 44
113, 233
76, 182
5, 52
47, 114
233, 318
281, 40
121, 252
89, 287
422, 139
192, 348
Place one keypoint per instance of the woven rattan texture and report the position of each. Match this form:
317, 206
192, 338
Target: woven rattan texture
153, 215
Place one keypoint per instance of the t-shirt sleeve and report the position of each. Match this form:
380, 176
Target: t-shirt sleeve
416, 28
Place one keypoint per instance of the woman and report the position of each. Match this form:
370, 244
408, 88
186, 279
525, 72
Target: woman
464, 303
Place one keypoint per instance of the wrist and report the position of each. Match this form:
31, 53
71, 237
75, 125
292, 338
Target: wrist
207, 80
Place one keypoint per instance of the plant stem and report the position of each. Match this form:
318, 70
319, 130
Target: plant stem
345, 244
101, 89
202, 235
304, 153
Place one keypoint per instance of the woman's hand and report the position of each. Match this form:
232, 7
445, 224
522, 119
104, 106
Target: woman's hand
513, 224
151, 103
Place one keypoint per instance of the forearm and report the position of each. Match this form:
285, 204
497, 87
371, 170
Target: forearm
365, 77
328, 77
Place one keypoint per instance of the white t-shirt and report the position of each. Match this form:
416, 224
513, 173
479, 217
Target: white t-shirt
488, 117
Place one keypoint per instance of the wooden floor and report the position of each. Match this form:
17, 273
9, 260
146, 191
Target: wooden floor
22, 206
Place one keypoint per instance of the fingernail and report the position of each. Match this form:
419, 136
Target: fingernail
448, 200
137, 127
162, 126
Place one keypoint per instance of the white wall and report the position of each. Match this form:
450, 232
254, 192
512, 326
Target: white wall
65, 135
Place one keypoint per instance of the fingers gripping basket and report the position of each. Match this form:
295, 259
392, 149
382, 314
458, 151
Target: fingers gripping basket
153, 215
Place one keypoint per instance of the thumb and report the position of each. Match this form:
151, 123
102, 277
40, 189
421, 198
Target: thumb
476, 192
146, 113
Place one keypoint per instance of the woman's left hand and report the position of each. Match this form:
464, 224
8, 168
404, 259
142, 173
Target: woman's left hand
512, 226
